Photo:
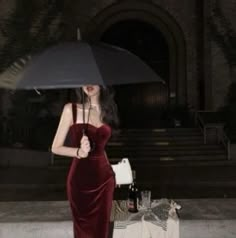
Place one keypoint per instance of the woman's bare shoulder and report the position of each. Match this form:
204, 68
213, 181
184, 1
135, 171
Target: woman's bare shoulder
67, 108
69, 105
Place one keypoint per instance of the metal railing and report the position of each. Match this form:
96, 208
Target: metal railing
222, 138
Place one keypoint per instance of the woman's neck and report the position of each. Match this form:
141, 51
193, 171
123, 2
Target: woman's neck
94, 100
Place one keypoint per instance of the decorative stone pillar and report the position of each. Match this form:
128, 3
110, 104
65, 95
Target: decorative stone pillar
207, 56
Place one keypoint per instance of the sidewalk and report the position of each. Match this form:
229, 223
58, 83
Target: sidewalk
198, 218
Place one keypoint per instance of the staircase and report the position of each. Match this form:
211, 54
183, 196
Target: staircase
173, 163
153, 146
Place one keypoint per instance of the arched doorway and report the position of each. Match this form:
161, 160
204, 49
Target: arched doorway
147, 102
142, 28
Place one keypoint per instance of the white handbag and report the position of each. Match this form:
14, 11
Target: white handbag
123, 172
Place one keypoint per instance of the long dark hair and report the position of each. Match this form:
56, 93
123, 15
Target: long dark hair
109, 112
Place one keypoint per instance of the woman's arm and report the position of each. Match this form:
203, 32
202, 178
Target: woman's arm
62, 130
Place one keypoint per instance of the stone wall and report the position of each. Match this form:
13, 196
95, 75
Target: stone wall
218, 74
186, 18
66, 16
223, 48
80, 15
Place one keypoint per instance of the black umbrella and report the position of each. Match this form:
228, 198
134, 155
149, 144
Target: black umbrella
71, 65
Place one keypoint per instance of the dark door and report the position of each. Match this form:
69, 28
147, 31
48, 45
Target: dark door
142, 105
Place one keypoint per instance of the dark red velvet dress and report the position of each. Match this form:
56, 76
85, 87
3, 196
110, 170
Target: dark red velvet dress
90, 185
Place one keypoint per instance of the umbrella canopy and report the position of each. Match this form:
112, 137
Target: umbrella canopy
73, 64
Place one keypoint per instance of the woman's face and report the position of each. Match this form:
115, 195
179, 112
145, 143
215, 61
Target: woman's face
91, 90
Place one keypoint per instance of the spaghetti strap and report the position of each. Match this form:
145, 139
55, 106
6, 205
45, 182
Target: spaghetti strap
74, 112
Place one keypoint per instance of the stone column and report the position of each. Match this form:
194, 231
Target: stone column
207, 67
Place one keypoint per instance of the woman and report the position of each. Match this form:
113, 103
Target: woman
91, 181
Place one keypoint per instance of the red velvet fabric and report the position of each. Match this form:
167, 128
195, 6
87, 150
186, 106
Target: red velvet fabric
90, 185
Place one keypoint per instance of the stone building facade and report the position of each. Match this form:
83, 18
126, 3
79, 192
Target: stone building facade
200, 36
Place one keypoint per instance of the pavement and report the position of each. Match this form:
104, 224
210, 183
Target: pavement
206, 218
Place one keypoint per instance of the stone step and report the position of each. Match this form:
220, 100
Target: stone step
41, 192
165, 146
155, 172
117, 152
157, 142
139, 137
147, 162
33, 192
156, 133
154, 159
161, 130
176, 181
160, 155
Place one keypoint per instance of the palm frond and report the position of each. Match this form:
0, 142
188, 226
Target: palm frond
10, 77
